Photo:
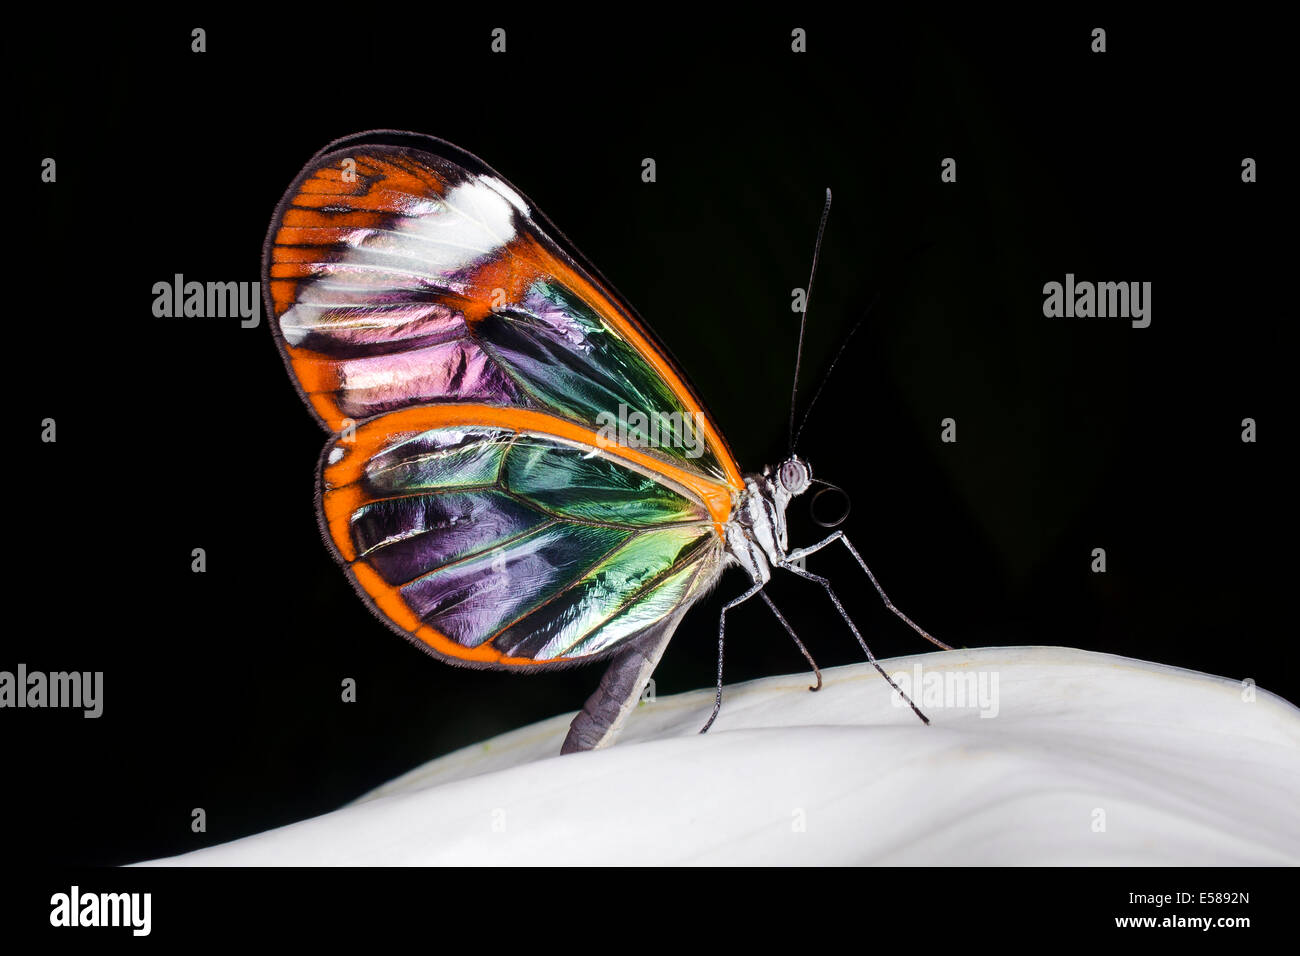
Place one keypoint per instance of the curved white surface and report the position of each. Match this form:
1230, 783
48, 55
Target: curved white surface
1090, 759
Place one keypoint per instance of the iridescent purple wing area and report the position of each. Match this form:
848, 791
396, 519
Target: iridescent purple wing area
503, 546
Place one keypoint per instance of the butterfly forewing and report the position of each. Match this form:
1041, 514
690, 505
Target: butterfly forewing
399, 277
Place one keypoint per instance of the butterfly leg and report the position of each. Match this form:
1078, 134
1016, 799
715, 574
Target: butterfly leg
795, 637
853, 627
840, 536
722, 633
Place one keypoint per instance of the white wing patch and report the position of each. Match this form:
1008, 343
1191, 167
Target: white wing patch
427, 246
511, 196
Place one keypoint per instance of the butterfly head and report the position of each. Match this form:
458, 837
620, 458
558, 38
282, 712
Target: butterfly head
792, 478
795, 476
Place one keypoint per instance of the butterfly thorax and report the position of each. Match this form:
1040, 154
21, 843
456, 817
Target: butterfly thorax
756, 534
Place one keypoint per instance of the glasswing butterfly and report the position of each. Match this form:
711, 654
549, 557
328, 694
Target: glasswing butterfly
466, 361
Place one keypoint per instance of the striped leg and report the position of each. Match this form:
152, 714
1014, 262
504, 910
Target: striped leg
840, 536
854, 628
722, 636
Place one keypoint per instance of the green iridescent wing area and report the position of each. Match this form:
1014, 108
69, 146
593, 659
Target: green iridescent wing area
566, 359
498, 545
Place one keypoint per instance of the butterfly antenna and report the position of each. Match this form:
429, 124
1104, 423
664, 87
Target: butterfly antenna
825, 378
911, 256
803, 315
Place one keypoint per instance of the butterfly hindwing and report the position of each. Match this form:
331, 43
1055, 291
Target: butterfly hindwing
498, 537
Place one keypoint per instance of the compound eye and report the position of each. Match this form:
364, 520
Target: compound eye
794, 476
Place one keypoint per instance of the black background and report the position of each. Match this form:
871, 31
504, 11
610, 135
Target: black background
222, 689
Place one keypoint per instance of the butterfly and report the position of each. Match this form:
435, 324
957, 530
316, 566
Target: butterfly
518, 476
